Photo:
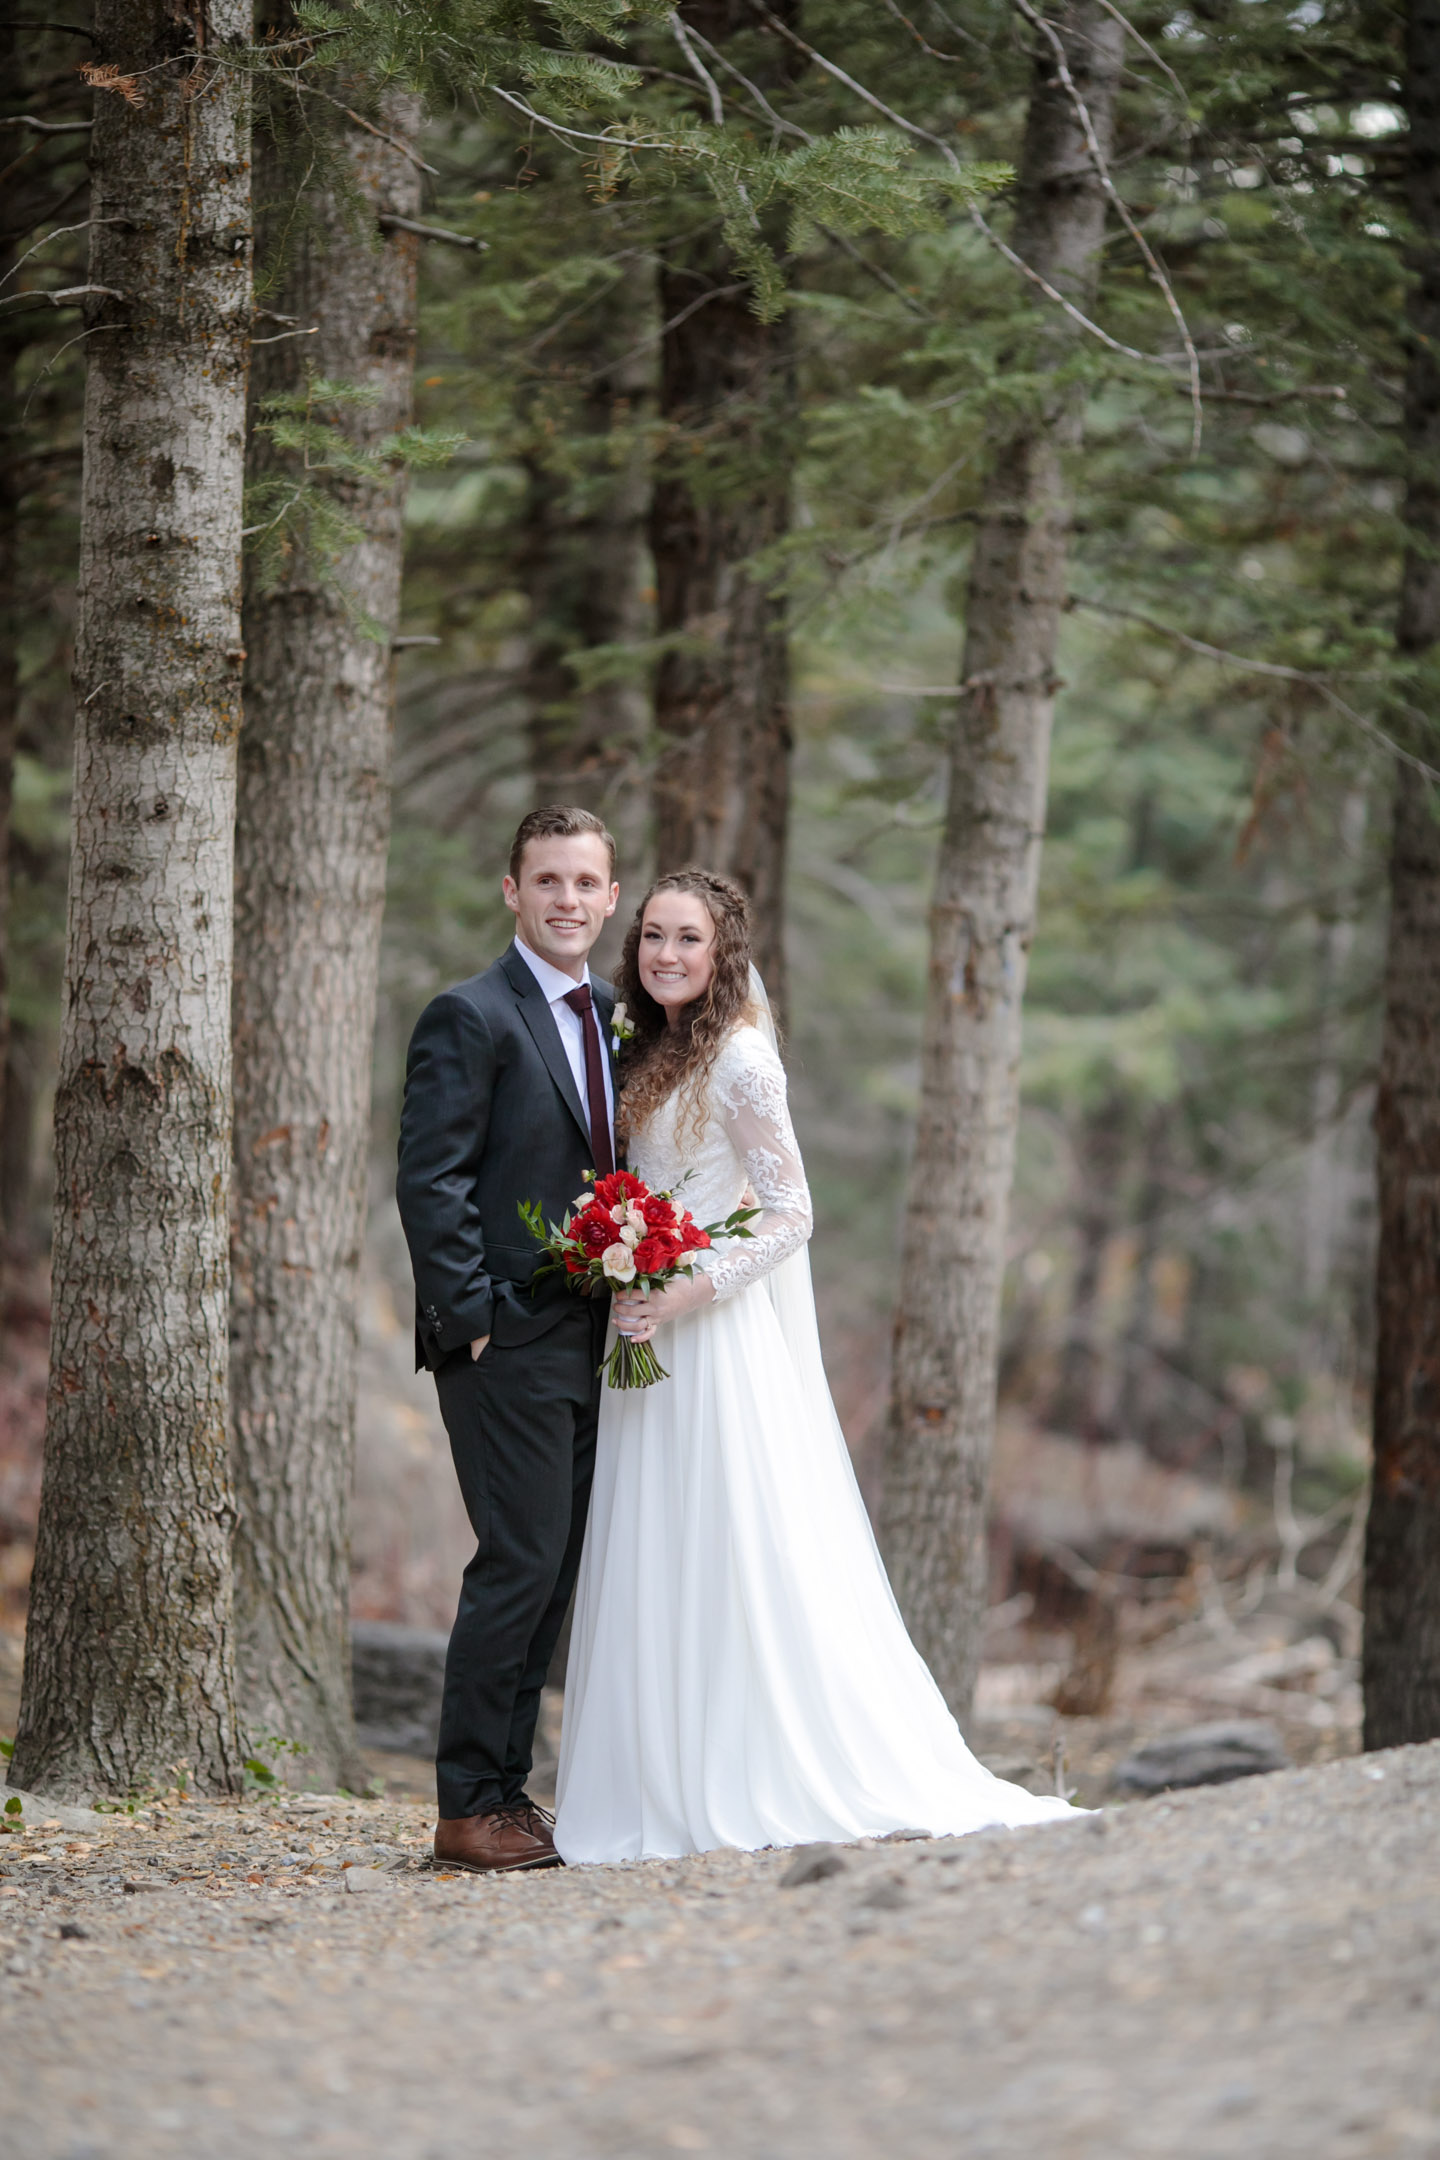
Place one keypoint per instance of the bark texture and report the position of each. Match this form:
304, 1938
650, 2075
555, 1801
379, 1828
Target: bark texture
311, 837
1401, 1663
12, 63
129, 1651
722, 495
942, 1410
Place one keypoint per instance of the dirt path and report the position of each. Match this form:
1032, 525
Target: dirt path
1252, 1970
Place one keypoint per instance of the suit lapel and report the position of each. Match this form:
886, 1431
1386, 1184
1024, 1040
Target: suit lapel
535, 1012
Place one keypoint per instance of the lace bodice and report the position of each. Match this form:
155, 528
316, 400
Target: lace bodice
747, 1138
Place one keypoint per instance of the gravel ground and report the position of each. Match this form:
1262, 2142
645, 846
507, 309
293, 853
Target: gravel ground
1248, 1970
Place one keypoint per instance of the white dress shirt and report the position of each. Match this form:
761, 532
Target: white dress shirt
556, 987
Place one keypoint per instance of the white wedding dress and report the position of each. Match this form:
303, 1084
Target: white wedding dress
739, 1672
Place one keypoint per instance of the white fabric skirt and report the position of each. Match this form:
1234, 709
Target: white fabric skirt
739, 1672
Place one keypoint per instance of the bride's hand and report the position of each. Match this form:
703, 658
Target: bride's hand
639, 1312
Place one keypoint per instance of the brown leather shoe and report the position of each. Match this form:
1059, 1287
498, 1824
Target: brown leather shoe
505, 1838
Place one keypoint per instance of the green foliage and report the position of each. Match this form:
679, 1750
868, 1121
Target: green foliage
302, 508
264, 1775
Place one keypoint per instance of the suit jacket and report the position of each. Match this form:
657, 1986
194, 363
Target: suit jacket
492, 1117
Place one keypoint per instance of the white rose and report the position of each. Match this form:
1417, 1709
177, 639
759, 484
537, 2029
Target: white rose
630, 1237
578, 1207
617, 1262
635, 1219
617, 1213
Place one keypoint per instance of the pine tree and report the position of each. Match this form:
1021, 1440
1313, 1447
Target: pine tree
332, 387
1402, 1548
933, 1520
129, 1657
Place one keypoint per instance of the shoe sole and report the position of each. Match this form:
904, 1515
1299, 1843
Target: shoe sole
500, 1867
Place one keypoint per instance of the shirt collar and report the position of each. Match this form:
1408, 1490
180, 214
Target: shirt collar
552, 981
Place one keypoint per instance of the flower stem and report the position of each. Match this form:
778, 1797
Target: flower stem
633, 1365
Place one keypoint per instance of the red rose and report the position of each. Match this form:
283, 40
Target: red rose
656, 1253
574, 1266
658, 1212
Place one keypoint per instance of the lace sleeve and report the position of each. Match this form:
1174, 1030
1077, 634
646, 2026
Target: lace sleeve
750, 1103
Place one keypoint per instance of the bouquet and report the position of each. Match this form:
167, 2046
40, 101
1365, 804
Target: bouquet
620, 1234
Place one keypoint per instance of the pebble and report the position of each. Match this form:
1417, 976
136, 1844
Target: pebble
812, 1863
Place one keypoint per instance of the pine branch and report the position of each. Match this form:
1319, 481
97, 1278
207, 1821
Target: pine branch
389, 223
610, 141
47, 127
1149, 50
312, 90
58, 234
711, 87
66, 296
777, 121
1272, 669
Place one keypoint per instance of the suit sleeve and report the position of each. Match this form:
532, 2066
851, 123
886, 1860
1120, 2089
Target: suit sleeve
449, 1084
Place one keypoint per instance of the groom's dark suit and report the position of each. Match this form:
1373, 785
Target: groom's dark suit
492, 1117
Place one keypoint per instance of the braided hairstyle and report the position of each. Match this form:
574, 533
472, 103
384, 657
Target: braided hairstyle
659, 1059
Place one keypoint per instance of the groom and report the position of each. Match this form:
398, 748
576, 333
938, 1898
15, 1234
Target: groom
509, 1096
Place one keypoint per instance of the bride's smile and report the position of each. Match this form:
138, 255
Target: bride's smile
677, 950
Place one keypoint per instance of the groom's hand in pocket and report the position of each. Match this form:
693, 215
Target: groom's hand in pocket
639, 1312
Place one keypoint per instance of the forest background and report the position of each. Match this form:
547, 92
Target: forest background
1190, 1257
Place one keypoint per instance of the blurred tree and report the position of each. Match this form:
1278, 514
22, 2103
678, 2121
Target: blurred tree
721, 503
583, 560
128, 1657
44, 145
1402, 1544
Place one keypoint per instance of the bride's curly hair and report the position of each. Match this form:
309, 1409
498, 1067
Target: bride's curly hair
659, 1059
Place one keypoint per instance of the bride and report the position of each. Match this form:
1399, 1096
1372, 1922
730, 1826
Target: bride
739, 1672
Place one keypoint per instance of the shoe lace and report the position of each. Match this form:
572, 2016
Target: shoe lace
526, 1815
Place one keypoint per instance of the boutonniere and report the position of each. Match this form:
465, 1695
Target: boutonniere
622, 1027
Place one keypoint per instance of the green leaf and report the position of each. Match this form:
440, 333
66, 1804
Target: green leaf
14, 1805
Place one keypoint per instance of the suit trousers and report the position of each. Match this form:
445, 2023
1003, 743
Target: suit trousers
522, 1433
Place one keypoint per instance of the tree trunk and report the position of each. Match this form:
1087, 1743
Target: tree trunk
12, 62
938, 1440
1141, 1392
1324, 1168
311, 837
1402, 1544
722, 494
1401, 1662
1079, 1407
129, 1653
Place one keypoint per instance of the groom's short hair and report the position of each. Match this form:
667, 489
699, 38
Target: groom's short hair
557, 821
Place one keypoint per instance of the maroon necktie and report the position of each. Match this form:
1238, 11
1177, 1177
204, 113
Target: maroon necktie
580, 1001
